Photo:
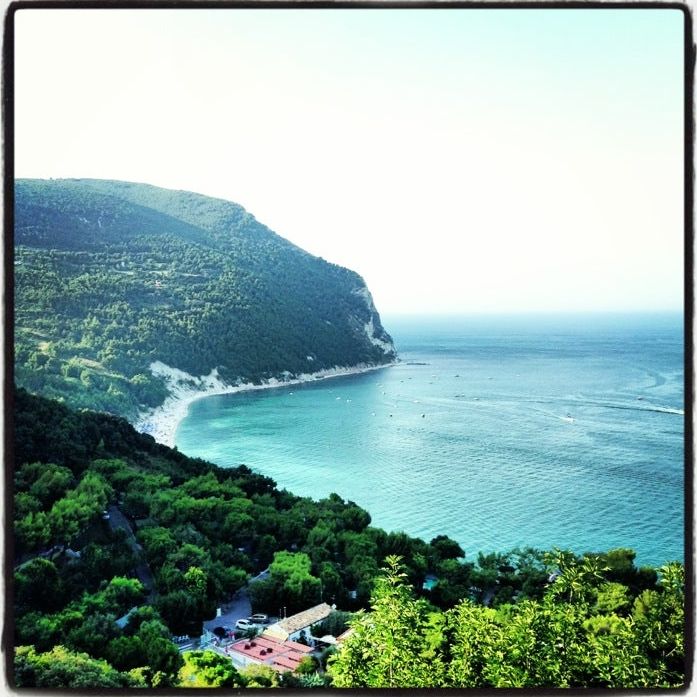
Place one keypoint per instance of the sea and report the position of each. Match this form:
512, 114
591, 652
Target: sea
499, 431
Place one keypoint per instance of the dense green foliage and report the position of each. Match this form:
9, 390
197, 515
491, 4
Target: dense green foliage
111, 276
202, 531
60, 667
208, 669
571, 637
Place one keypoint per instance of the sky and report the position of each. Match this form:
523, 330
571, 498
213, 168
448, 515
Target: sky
460, 160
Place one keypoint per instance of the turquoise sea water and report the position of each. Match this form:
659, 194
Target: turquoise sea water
500, 432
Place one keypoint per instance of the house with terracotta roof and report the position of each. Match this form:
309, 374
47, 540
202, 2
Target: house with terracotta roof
282, 656
293, 627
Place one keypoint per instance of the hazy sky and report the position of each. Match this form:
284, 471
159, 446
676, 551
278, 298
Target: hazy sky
460, 160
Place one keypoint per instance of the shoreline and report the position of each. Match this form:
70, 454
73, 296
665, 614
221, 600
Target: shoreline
162, 422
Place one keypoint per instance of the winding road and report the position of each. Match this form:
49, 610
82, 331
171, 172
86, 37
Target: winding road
118, 521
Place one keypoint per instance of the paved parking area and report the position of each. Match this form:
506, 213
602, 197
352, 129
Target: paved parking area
238, 608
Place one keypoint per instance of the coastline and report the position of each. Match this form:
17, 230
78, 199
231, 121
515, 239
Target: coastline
185, 389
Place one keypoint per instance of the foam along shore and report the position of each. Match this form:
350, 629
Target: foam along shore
184, 389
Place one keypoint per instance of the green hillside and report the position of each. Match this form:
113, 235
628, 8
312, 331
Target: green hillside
112, 276
524, 618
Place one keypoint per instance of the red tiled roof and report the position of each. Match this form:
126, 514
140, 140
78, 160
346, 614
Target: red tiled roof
287, 661
296, 646
254, 647
280, 655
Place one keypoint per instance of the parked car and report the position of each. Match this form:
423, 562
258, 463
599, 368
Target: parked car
244, 624
259, 618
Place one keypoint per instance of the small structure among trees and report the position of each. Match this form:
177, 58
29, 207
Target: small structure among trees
299, 625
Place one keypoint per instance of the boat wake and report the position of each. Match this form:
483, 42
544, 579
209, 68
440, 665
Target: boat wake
658, 408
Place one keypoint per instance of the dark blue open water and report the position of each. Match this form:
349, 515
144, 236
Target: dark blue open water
500, 432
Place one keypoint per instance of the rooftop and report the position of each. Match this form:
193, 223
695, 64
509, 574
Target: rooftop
290, 662
284, 655
123, 621
306, 618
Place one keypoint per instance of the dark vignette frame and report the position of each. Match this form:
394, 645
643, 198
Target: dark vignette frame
7, 97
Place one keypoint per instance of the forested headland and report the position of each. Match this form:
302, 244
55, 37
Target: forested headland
521, 618
111, 276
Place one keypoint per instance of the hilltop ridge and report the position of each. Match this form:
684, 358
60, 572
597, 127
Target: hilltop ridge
113, 278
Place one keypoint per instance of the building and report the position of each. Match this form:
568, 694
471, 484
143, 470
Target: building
282, 656
123, 621
293, 627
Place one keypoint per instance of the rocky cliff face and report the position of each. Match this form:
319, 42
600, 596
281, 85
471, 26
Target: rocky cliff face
373, 327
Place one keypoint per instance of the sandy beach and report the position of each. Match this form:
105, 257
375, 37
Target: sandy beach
162, 422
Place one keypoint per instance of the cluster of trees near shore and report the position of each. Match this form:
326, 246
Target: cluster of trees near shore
204, 530
110, 276
586, 631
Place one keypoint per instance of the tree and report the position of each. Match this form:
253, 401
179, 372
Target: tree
556, 642
306, 666
45, 631
208, 669
612, 598
25, 504
126, 652
294, 586
93, 634
660, 623
164, 661
389, 646
51, 484
446, 548
258, 675
454, 581
32, 580
61, 668
122, 594
181, 612
138, 616
33, 531
576, 580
